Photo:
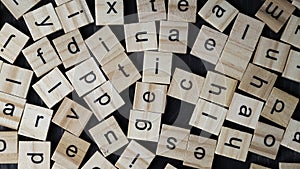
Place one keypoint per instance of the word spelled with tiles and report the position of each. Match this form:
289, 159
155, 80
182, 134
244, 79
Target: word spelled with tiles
84, 86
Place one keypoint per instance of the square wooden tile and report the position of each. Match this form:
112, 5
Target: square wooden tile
289, 165
280, 107
296, 3
218, 13
108, 136
57, 166
72, 117
256, 166
208, 117
292, 66
150, 97
70, 151
86, 76
42, 21
157, 67
173, 36
233, 144
53, 87
257, 81
12, 42
109, 12
275, 13
71, 48
18, 8
97, 161
291, 136
291, 32
9, 147
41, 56
104, 100
169, 166
151, 10
182, 10
209, 44
218, 88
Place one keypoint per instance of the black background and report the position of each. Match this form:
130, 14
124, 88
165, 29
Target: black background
172, 115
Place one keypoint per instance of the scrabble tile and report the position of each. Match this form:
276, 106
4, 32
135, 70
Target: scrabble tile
209, 44
35, 122
8, 147
34, 154
108, 136
280, 107
72, 117
291, 32
41, 56
218, 13
71, 48
257, 81
86, 76
271, 54
109, 12
74, 14
121, 72
98, 161
53, 87
150, 97
266, 140
12, 42
70, 151
200, 152
296, 3
173, 36
144, 125
104, 45
18, 8
172, 142
57, 166
151, 10
135, 156
186, 86
15, 80
256, 166
291, 138
244, 110
60, 2
218, 88
104, 100
233, 144
289, 165
182, 10
275, 13
12, 109
42, 21
208, 117
140, 36
292, 67
169, 166
157, 67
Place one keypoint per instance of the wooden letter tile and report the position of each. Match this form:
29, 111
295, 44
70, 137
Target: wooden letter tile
291, 33
135, 156
71, 48
72, 117
41, 56
18, 8
292, 67
208, 117
218, 13
169, 166
244, 110
200, 152
108, 136
15, 80
173, 36
182, 10
104, 100
280, 107
70, 151
12, 42
296, 3
218, 88
256, 166
34, 154
57, 166
8, 147
275, 13
74, 14
157, 67
233, 144
150, 97
42, 21
209, 44
140, 36
53, 87
289, 165
109, 12
151, 10
97, 161
173, 142
291, 138
257, 81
